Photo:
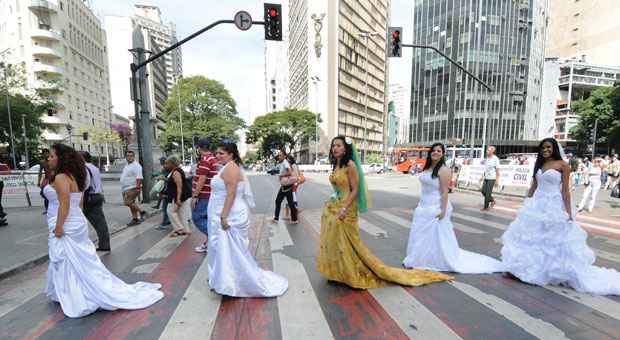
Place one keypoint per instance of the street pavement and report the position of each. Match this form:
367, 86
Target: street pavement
470, 307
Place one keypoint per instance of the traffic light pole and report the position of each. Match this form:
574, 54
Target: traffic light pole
141, 107
451, 61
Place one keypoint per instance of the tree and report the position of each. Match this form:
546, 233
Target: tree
124, 133
283, 130
26, 101
207, 109
599, 105
103, 138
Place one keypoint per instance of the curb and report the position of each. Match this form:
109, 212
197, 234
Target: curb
42, 258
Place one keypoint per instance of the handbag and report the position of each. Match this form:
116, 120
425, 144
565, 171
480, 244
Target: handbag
286, 181
615, 192
301, 179
157, 188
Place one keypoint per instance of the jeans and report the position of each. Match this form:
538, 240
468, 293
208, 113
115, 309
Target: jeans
166, 220
288, 193
199, 215
589, 195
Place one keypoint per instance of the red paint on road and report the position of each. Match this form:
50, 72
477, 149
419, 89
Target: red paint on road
46, 325
175, 273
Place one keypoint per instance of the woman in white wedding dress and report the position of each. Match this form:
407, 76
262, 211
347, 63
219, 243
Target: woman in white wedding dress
76, 278
432, 243
233, 271
544, 245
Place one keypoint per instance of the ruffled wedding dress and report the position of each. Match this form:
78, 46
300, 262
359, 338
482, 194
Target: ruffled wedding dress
233, 271
432, 243
76, 278
542, 246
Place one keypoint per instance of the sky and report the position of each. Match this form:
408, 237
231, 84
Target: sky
236, 58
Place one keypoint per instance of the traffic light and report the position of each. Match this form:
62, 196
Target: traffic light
273, 22
85, 135
395, 48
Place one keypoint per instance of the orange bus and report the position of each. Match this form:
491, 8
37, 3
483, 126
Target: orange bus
406, 158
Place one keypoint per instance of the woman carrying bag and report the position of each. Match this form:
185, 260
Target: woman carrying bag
287, 180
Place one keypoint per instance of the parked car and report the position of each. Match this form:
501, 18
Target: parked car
34, 168
4, 169
376, 168
272, 171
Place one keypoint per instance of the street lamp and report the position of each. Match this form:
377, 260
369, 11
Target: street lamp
8, 104
315, 81
181, 119
366, 35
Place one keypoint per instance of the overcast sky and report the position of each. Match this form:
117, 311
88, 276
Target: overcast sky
237, 58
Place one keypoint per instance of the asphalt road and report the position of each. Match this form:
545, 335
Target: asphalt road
470, 307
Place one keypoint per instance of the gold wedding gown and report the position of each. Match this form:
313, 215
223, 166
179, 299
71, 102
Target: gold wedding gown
343, 257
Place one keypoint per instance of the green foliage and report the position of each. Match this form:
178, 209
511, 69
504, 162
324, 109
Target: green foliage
374, 158
208, 112
602, 104
285, 130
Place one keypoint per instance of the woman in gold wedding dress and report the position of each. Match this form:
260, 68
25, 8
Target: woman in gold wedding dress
343, 257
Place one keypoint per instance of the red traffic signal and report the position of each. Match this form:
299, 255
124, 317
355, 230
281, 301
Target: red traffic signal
396, 35
273, 12
394, 48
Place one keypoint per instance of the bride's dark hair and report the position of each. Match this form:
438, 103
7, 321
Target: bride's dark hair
555, 155
70, 163
429, 160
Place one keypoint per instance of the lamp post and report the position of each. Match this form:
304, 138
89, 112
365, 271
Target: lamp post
315, 81
8, 105
594, 139
181, 119
366, 35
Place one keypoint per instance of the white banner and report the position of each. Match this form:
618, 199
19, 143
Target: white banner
14, 184
510, 175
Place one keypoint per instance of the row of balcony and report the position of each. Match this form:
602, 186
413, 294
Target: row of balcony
586, 80
43, 6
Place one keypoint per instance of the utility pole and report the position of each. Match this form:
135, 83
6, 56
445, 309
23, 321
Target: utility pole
25, 141
316, 80
142, 113
594, 139
181, 121
366, 35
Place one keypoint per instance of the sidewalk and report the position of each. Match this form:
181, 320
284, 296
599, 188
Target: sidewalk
23, 243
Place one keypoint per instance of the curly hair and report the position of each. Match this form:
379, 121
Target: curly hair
348, 153
70, 163
429, 160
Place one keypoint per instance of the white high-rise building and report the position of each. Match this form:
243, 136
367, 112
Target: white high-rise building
400, 95
162, 73
61, 41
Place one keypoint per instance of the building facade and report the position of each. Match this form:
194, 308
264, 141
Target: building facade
571, 80
400, 96
585, 30
502, 42
337, 68
61, 42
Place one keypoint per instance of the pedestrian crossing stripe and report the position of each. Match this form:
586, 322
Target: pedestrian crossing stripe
191, 310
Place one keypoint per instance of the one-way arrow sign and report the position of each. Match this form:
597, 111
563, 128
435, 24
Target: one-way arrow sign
243, 20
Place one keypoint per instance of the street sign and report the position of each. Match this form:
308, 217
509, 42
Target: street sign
243, 20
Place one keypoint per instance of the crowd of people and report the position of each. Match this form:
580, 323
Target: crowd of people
218, 200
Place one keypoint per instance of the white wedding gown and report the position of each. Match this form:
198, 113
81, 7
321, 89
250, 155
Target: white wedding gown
432, 243
232, 268
76, 278
542, 246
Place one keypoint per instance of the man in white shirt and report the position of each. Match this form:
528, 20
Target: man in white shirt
93, 203
131, 184
491, 178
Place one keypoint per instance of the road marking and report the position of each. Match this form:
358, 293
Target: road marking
407, 224
33, 287
596, 302
412, 316
301, 316
160, 250
538, 328
372, 229
195, 315
482, 221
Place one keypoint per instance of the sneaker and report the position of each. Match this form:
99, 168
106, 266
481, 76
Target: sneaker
134, 222
201, 248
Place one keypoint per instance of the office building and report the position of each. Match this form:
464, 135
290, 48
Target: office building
337, 67
502, 42
61, 42
587, 30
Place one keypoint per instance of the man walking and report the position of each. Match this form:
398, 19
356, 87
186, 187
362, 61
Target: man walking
131, 184
491, 178
93, 203
3, 221
201, 189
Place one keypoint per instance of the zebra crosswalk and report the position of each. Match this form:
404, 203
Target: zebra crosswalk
470, 307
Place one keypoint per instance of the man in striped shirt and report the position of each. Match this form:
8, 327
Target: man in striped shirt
201, 189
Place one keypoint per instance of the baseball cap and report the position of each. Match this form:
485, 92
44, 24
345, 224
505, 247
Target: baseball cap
203, 143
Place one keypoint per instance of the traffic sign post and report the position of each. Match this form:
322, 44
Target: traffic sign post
243, 20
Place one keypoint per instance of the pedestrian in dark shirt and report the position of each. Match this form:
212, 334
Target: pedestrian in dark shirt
44, 176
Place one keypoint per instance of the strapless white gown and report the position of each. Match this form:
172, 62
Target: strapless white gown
76, 278
432, 243
542, 246
233, 271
